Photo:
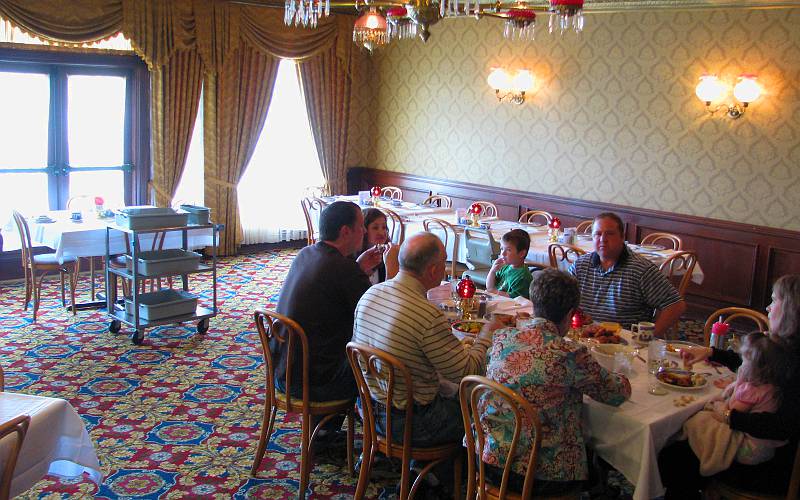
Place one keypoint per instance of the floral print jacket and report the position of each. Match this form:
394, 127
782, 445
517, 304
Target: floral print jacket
553, 374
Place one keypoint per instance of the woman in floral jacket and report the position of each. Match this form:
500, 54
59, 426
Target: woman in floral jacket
553, 374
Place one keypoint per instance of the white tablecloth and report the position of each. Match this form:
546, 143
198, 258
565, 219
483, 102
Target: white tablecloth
56, 442
88, 238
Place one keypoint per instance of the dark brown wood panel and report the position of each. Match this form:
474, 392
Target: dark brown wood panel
740, 261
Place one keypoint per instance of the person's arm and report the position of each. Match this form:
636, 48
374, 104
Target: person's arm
666, 318
596, 382
451, 359
369, 259
491, 278
780, 425
391, 261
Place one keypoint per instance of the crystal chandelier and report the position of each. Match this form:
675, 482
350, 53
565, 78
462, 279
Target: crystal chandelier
408, 20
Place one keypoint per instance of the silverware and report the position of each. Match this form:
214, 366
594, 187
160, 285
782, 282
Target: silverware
641, 359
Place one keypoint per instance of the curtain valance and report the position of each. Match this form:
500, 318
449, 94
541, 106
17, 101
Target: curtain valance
65, 21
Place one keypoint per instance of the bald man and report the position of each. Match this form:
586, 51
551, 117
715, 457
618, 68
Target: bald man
395, 316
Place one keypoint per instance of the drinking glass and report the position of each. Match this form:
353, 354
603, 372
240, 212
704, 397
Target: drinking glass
656, 357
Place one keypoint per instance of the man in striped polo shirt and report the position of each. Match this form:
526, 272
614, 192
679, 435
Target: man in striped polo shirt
395, 316
619, 285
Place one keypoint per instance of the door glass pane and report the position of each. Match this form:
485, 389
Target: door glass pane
96, 114
108, 184
25, 101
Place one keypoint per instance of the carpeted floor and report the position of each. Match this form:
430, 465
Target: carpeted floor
179, 416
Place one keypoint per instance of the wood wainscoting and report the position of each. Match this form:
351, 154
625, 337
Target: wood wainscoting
740, 261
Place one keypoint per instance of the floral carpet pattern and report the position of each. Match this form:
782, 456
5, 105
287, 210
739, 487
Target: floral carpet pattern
179, 416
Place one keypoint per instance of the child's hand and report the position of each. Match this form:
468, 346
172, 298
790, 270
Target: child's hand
500, 262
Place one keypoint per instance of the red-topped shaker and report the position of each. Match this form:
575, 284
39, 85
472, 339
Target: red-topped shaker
719, 332
466, 288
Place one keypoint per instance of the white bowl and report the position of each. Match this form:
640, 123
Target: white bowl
604, 354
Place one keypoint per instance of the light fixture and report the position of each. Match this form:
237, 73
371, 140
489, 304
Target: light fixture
513, 88
710, 90
370, 30
411, 18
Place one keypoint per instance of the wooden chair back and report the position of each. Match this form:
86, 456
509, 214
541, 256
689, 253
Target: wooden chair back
530, 217
668, 240
24, 239
476, 392
16, 427
277, 329
392, 192
488, 209
447, 233
482, 248
312, 209
679, 267
563, 253
438, 200
395, 225
80, 202
584, 227
759, 320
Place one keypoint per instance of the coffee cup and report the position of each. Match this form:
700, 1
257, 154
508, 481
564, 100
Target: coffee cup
644, 331
76, 216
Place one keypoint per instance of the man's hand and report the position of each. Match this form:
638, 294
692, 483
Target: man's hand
370, 259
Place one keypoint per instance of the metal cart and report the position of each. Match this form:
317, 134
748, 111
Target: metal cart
132, 316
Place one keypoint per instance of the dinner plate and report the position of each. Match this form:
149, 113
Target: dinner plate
680, 387
673, 346
43, 219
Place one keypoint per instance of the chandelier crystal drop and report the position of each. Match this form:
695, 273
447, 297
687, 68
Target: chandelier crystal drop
520, 25
305, 13
400, 25
566, 14
371, 30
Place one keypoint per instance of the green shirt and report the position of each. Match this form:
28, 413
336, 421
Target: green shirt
514, 280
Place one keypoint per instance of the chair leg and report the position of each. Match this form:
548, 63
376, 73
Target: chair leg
266, 432
367, 454
305, 452
73, 284
63, 296
91, 277
28, 288
37, 294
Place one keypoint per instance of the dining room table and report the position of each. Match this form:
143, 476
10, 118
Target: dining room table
630, 436
56, 443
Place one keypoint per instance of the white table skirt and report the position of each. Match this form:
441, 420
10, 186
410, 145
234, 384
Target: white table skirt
56, 442
88, 238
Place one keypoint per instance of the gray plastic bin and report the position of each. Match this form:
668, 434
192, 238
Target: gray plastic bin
197, 215
163, 304
172, 261
149, 218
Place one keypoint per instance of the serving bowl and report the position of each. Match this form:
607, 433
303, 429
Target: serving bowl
604, 354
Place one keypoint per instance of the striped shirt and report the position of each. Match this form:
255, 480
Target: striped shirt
395, 316
628, 292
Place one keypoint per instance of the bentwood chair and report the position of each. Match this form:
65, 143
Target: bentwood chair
488, 209
721, 489
476, 393
392, 192
668, 240
563, 254
531, 216
679, 267
584, 227
395, 226
438, 200
482, 250
312, 208
276, 328
388, 369
447, 233
45, 262
759, 320
12, 435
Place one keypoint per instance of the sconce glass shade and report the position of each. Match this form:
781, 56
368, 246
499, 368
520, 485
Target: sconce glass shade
523, 81
370, 30
709, 89
747, 89
499, 80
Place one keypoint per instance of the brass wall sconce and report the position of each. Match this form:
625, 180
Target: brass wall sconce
745, 91
511, 87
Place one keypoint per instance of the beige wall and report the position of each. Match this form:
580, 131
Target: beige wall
614, 118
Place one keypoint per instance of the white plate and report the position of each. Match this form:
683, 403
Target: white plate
683, 388
678, 344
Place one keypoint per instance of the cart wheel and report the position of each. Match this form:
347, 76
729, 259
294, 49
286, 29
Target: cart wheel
202, 326
115, 326
137, 337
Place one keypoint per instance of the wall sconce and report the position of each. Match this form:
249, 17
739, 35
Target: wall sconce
711, 89
513, 88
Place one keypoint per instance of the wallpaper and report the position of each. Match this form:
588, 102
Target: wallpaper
613, 116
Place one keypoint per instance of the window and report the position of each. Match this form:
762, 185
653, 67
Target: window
191, 187
283, 168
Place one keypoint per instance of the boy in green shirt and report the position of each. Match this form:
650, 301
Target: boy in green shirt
509, 270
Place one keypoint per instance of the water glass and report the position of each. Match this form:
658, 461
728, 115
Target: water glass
656, 357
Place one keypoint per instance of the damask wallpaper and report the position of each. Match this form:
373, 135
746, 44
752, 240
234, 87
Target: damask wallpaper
613, 117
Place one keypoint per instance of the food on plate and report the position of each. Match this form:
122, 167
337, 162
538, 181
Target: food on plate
468, 327
600, 334
681, 378
505, 319
611, 326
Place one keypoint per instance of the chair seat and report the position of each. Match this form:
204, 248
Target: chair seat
50, 259
316, 406
493, 491
726, 490
418, 453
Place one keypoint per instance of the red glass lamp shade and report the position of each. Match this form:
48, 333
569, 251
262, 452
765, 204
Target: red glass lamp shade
396, 12
466, 288
98, 200
577, 319
555, 223
375, 191
475, 208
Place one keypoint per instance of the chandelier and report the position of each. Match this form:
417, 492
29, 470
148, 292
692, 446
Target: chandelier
383, 21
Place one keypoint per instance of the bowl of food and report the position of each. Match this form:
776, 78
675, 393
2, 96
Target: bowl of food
681, 379
467, 328
605, 353
598, 333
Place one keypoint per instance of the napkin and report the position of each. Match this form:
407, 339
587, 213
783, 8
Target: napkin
520, 304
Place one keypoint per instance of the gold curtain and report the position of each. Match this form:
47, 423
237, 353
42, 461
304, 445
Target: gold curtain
158, 28
236, 102
65, 21
175, 96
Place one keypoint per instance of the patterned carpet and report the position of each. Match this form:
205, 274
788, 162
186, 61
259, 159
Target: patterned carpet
179, 416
